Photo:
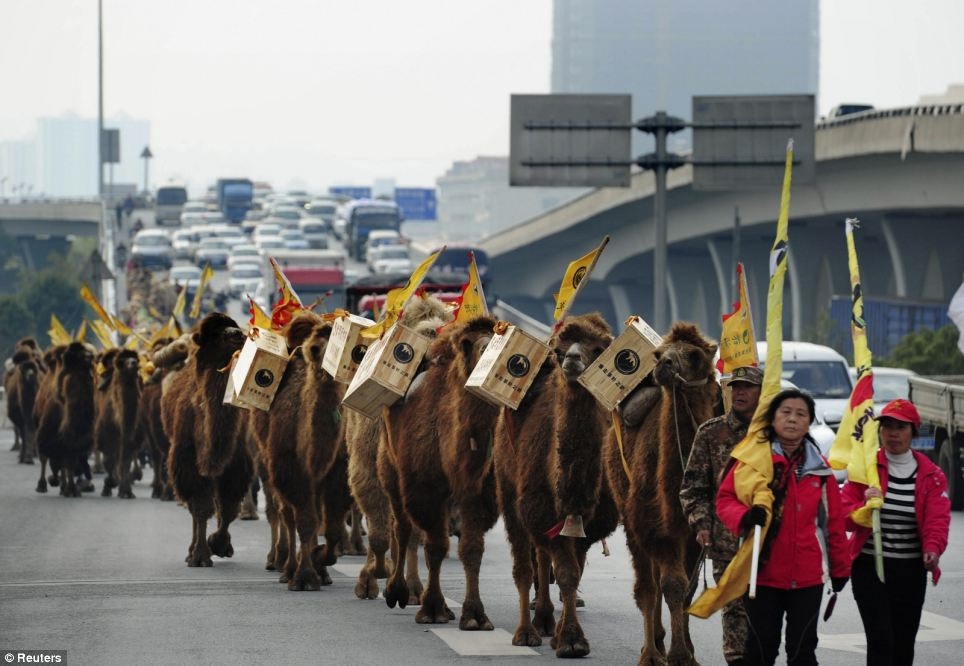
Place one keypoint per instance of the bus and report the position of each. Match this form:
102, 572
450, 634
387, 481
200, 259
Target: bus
314, 274
362, 295
168, 203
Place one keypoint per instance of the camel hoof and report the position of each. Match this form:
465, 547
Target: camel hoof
305, 581
106, 490
249, 515
220, 544
322, 556
53, 480
155, 492
199, 560
86, 486
526, 637
42, 486
26, 460
570, 643
474, 617
325, 578
167, 495
396, 592
367, 586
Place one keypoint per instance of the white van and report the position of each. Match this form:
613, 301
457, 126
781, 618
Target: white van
820, 371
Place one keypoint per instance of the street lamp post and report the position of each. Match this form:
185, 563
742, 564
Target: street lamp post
146, 154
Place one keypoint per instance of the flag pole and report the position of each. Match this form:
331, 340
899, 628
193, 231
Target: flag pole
755, 561
878, 545
585, 279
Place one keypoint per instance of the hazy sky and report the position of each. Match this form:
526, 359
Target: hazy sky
321, 92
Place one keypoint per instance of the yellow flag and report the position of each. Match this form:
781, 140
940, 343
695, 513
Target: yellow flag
88, 296
180, 303
151, 310
58, 334
737, 341
120, 326
81, 331
258, 316
754, 468
396, 298
206, 276
578, 272
168, 330
102, 333
471, 304
857, 442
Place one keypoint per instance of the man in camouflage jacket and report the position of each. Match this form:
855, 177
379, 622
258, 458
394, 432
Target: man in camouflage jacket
705, 469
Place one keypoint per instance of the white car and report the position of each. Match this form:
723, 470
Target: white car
244, 279
315, 231
265, 229
213, 251
244, 254
392, 259
889, 384
185, 275
183, 242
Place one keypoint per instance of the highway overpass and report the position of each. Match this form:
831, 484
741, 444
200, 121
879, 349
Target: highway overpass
40, 227
900, 171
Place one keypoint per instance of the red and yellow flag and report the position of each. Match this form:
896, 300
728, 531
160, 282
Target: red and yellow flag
737, 341
396, 298
259, 317
856, 444
88, 296
577, 272
206, 276
288, 302
754, 469
471, 303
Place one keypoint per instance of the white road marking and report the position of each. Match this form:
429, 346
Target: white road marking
933, 627
495, 643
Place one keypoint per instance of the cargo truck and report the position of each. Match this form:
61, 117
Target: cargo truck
235, 198
940, 401
365, 215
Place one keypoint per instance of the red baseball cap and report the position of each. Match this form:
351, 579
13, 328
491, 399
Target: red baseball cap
901, 410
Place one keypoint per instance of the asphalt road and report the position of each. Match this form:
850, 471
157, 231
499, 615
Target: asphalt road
104, 580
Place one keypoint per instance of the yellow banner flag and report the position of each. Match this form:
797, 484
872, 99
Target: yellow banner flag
288, 302
206, 276
58, 334
81, 334
754, 468
578, 272
396, 298
88, 296
120, 326
471, 304
102, 333
737, 341
180, 303
856, 444
168, 330
259, 317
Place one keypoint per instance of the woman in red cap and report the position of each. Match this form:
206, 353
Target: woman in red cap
914, 524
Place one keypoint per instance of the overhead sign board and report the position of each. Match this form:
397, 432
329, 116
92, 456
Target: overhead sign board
417, 203
110, 146
570, 140
738, 138
352, 191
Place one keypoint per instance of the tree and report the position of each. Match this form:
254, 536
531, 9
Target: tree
928, 352
53, 291
16, 321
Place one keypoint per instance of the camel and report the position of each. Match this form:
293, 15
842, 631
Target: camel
66, 419
362, 436
659, 539
301, 441
207, 464
149, 427
548, 462
114, 428
21, 386
439, 451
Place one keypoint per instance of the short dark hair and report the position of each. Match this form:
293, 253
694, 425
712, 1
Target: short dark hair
780, 398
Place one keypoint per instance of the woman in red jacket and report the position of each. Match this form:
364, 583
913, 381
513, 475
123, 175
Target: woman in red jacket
807, 526
914, 522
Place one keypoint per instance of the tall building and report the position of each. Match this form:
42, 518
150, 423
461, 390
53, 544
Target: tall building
18, 168
664, 52
475, 200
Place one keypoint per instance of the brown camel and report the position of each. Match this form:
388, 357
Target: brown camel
149, 428
21, 385
66, 419
424, 315
114, 428
659, 539
301, 440
548, 462
207, 464
439, 451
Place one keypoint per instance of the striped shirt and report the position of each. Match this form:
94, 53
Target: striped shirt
898, 520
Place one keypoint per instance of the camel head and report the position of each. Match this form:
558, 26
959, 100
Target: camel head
685, 358
78, 357
464, 342
579, 342
299, 328
105, 367
126, 363
316, 344
217, 337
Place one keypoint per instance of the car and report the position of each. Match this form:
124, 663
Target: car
185, 275
849, 109
213, 251
265, 229
151, 248
392, 259
315, 231
244, 279
183, 242
230, 234
244, 254
297, 244
323, 208
266, 244
889, 384
286, 216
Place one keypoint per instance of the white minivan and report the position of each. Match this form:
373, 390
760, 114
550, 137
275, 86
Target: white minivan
820, 371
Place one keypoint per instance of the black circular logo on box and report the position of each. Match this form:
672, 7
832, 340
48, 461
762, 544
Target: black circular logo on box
403, 352
264, 378
518, 365
358, 352
626, 361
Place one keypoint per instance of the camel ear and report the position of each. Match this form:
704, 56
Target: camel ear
711, 349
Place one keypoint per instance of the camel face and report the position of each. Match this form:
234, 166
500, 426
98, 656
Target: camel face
684, 357
316, 344
217, 338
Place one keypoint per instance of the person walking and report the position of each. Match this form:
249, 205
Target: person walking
806, 514
914, 521
704, 471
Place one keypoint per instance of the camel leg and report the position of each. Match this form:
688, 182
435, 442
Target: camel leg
335, 504
649, 603
98, 462
288, 536
306, 522
355, 544
477, 518
396, 588
42, 483
201, 508
274, 525
569, 639
434, 610
673, 583
124, 475
543, 618
249, 507
158, 467
230, 488
111, 463
16, 440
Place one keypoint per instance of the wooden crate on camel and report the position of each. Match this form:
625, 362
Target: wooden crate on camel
623, 365
257, 371
346, 348
507, 367
386, 371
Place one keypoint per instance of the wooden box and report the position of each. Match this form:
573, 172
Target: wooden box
346, 347
507, 368
385, 372
257, 371
621, 368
